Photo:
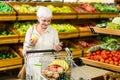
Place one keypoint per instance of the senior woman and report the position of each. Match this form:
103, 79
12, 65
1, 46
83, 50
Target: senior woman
40, 36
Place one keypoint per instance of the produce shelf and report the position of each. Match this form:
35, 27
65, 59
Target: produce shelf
8, 16
32, 16
10, 62
109, 15
61, 15
105, 31
65, 35
11, 67
82, 34
101, 65
7, 39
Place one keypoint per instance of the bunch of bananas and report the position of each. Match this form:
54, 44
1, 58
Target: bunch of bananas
60, 62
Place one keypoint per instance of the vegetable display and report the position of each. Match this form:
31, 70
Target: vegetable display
4, 8
5, 54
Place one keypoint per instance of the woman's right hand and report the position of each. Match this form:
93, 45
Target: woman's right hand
34, 39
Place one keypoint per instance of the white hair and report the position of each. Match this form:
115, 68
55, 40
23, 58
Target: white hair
44, 12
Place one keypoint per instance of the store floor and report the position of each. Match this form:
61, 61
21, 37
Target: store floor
9, 74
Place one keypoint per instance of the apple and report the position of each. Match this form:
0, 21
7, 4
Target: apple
35, 37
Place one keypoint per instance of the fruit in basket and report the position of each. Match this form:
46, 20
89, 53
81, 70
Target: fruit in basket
49, 73
60, 70
52, 71
61, 63
55, 75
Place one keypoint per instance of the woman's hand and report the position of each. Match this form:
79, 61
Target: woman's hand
34, 39
58, 47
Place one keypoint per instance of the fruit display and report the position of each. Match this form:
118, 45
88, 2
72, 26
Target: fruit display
108, 52
114, 24
105, 56
4, 32
61, 9
5, 54
105, 7
22, 27
64, 27
25, 8
86, 43
84, 7
108, 38
4, 8
57, 70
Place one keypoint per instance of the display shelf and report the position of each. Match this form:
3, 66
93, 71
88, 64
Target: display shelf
12, 61
83, 34
7, 16
105, 31
32, 16
65, 35
101, 64
11, 67
8, 39
108, 15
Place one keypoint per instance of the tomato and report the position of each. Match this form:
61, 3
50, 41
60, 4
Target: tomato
111, 62
115, 59
116, 63
110, 59
98, 52
101, 60
104, 56
92, 57
107, 61
103, 52
89, 55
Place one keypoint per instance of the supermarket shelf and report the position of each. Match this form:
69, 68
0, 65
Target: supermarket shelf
101, 64
7, 16
12, 62
105, 31
11, 67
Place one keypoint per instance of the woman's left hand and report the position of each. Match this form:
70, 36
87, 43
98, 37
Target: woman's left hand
58, 47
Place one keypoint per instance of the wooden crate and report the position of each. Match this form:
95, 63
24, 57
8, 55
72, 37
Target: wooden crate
65, 35
24, 16
8, 63
85, 14
108, 15
101, 64
8, 16
7, 39
69, 15
19, 49
76, 52
106, 31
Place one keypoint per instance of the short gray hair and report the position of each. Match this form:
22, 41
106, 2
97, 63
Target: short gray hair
44, 12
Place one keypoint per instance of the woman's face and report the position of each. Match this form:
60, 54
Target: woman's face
44, 22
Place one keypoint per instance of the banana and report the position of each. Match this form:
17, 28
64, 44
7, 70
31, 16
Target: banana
61, 63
